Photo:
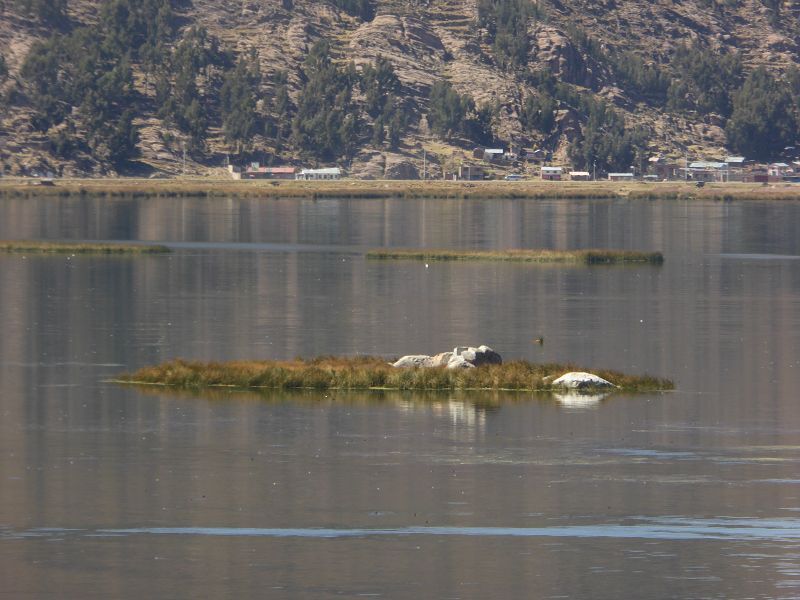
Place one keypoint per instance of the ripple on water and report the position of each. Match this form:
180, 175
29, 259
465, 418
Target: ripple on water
666, 528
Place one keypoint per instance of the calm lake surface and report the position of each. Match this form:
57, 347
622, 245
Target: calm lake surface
110, 492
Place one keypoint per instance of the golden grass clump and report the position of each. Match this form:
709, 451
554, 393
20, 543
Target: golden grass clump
366, 373
36, 247
588, 257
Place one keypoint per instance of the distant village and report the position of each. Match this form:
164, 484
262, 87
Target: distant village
522, 164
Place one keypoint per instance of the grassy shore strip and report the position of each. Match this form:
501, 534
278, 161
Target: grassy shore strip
533, 189
589, 257
25, 247
366, 373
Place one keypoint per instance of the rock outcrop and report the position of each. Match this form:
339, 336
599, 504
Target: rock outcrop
462, 357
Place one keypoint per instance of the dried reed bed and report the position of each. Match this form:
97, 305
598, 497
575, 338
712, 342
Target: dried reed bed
530, 189
589, 257
365, 373
36, 247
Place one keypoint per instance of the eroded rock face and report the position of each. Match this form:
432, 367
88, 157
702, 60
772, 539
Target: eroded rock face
579, 380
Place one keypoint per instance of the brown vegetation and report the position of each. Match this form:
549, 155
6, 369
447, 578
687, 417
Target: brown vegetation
364, 373
533, 189
589, 257
36, 247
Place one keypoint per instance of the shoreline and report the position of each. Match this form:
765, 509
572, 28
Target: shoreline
383, 189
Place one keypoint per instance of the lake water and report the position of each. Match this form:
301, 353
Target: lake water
109, 492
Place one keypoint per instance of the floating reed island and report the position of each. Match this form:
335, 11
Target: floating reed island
373, 373
586, 257
26, 247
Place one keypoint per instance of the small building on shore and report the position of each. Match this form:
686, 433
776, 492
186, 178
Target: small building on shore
469, 172
707, 171
256, 171
493, 154
329, 174
579, 176
551, 173
662, 168
777, 171
621, 177
756, 175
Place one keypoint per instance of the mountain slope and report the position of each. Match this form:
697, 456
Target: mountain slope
589, 46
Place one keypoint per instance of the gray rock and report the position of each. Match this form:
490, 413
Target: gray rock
482, 355
462, 357
459, 362
440, 360
414, 360
579, 381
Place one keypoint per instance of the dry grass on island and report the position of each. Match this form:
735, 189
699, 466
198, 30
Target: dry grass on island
25, 247
371, 373
587, 257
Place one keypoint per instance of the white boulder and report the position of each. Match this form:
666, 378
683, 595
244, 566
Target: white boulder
579, 381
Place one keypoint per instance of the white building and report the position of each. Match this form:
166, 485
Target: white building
319, 174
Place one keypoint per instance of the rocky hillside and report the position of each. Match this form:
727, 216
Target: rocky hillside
559, 62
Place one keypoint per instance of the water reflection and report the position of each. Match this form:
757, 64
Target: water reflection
470, 493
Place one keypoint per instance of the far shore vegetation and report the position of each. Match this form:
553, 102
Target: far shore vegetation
36, 247
410, 189
371, 373
588, 257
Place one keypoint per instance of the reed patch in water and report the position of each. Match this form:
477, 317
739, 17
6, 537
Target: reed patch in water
588, 257
35, 247
365, 373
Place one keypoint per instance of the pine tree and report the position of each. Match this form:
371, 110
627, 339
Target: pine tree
326, 124
238, 101
764, 118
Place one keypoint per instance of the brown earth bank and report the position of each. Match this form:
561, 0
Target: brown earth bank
114, 187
